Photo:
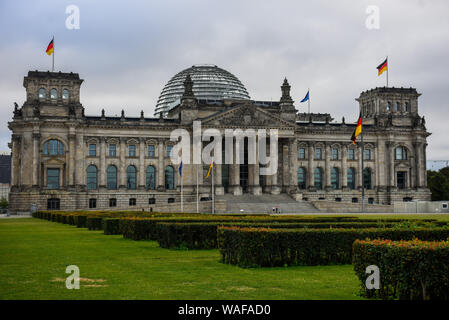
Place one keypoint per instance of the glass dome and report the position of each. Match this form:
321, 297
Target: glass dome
209, 82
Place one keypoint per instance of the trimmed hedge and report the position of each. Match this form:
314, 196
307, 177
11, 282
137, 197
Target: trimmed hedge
94, 223
251, 247
111, 226
203, 235
81, 221
410, 270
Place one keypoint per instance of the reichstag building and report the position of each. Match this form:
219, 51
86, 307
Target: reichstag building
64, 159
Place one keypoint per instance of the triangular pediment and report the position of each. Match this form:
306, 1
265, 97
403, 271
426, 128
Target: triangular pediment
246, 115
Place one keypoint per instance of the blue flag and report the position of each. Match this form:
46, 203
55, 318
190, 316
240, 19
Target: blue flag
306, 97
180, 169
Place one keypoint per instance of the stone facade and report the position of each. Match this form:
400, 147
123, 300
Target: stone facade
62, 158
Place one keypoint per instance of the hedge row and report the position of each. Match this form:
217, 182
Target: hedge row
410, 270
250, 247
203, 235
111, 226
94, 223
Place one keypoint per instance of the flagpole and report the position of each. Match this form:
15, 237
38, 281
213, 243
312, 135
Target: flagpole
197, 192
213, 199
388, 67
53, 60
308, 100
363, 170
182, 202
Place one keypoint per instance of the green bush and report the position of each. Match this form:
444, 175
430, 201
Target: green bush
250, 247
409, 270
203, 235
81, 221
111, 226
94, 223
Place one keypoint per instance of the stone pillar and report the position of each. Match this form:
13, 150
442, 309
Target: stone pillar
35, 168
160, 166
293, 164
424, 165
79, 162
285, 168
142, 172
253, 174
310, 156
235, 172
344, 167
219, 190
72, 155
390, 146
417, 163
327, 173
122, 167
102, 169
15, 154
359, 169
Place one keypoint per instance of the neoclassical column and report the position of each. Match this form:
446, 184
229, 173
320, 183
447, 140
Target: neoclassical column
417, 164
219, 190
102, 162
285, 167
327, 173
15, 153
293, 164
390, 146
344, 167
122, 169
35, 168
423, 165
72, 156
359, 169
79, 161
142, 171
235, 171
310, 155
160, 166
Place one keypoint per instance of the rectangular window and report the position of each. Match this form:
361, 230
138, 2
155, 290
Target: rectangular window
151, 201
401, 177
318, 153
113, 202
112, 150
151, 152
92, 203
351, 154
92, 150
367, 154
53, 204
132, 201
301, 153
52, 178
132, 150
334, 154
169, 149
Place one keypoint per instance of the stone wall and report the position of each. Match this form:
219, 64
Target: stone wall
340, 207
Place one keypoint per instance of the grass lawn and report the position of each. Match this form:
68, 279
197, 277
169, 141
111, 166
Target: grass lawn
34, 254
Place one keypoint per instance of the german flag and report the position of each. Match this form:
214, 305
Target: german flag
382, 67
357, 130
49, 50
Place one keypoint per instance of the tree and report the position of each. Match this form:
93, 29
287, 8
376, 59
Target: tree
438, 183
3, 203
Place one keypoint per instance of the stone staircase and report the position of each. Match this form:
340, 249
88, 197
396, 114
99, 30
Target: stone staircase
265, 204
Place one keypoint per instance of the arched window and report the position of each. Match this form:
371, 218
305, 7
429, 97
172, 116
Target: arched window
398, 107
335, 179
53, 147
301, 178
42, 93
318, 177
150, 178
400, 153
131, 177
169, 178
65, 94
388, 106
406, 108
351, 178
367, 178
91, 177
111, 176
54, 93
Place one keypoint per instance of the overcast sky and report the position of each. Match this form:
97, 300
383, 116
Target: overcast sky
126, 51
